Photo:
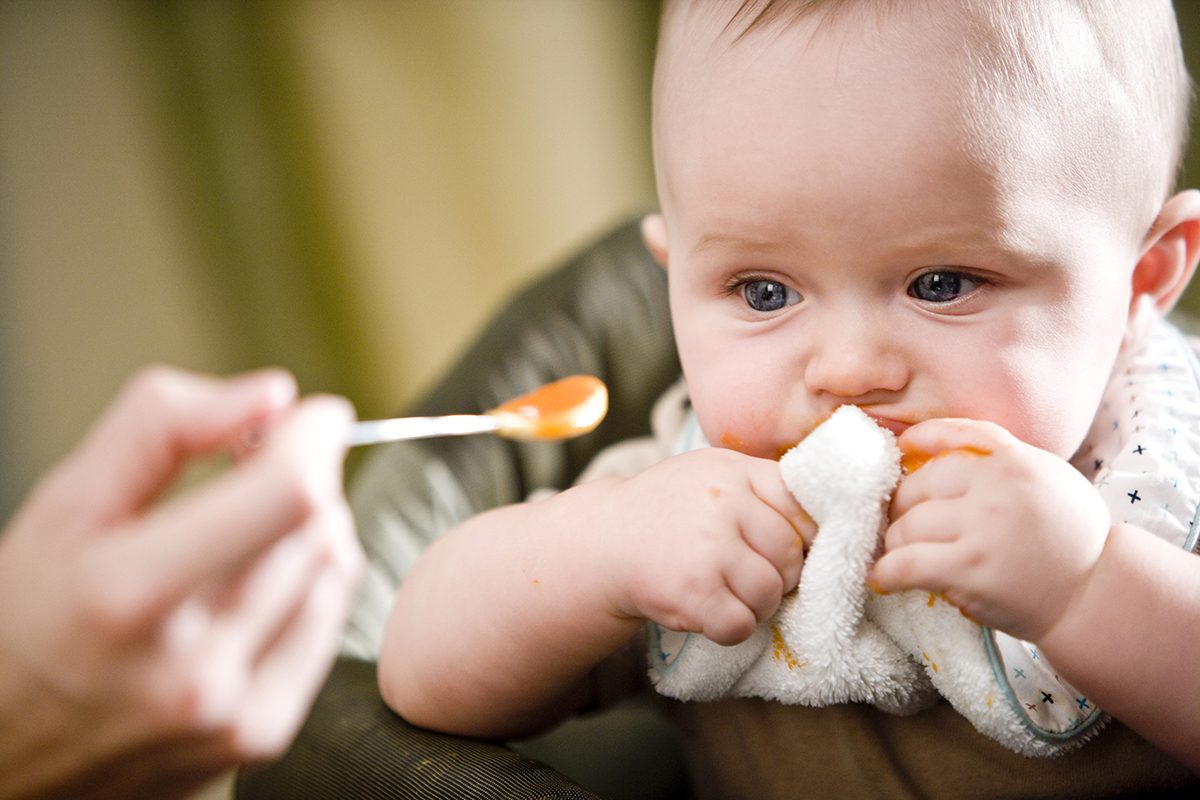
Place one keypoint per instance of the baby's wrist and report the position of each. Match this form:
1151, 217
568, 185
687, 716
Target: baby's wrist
1089, 600
597, 558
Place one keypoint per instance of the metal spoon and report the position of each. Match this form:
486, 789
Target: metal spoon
563, 409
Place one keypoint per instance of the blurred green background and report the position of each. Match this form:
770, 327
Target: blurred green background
348, 189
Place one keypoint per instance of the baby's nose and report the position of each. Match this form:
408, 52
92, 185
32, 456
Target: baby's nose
850, 366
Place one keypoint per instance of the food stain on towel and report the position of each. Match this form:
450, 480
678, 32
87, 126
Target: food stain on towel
933, 598
783, 654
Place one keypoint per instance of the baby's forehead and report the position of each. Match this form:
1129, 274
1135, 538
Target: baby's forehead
1093, 91
995, 46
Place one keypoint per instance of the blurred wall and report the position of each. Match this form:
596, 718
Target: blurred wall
347, 189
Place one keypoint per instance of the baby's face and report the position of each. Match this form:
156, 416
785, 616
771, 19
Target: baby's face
834, 236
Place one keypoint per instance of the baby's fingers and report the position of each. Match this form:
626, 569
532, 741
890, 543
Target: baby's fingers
777, 543
931, 521
934, 437
923, 565
758, 584
727, 619
946, 477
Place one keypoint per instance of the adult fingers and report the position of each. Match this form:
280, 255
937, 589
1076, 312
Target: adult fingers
233, 632
249, 613
280, 584
162, 418
290, 672
211, 532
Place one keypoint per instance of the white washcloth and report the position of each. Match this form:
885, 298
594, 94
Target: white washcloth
833, 640
818, 648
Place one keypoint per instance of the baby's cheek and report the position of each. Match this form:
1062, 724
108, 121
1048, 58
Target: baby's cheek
731, 441
750, 420
751, 440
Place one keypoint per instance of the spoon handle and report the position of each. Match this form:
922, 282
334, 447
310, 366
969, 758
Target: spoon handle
398, 429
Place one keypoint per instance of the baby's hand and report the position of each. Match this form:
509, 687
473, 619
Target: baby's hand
706, 542
1009, 533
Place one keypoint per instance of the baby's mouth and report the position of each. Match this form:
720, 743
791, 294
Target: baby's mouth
896, 426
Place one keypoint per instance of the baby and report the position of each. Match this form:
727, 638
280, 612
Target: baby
955, 216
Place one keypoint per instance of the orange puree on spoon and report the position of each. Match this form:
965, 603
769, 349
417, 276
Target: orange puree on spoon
569, 407
565, 408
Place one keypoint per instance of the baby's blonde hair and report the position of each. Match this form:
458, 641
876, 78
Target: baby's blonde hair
1021, 53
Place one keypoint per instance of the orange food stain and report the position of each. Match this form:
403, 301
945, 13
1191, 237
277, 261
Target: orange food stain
806, 528
782, 652
558, 410
934, 597
913, 460
536, 582
783, 449
731, 442
714, 492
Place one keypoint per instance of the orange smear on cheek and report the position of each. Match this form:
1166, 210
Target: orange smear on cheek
783, 449
731, 442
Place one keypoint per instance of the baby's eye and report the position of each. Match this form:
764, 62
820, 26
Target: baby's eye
943, 287
767, 295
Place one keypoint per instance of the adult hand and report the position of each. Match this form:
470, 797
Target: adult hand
147, 645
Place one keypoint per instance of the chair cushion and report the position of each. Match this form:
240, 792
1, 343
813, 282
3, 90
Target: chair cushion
352, 745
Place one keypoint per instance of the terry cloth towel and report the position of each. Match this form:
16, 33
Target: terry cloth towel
833, 640
819, 648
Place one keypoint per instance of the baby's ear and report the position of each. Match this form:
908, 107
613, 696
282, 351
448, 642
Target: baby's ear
1169, 252
654, 235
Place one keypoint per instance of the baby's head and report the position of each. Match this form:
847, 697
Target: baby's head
922, 208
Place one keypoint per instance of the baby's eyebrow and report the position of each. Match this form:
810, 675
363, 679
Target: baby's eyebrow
941, 244
982, 243
710, 241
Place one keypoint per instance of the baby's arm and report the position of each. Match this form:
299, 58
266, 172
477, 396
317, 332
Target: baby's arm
496, 628
1023, 543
